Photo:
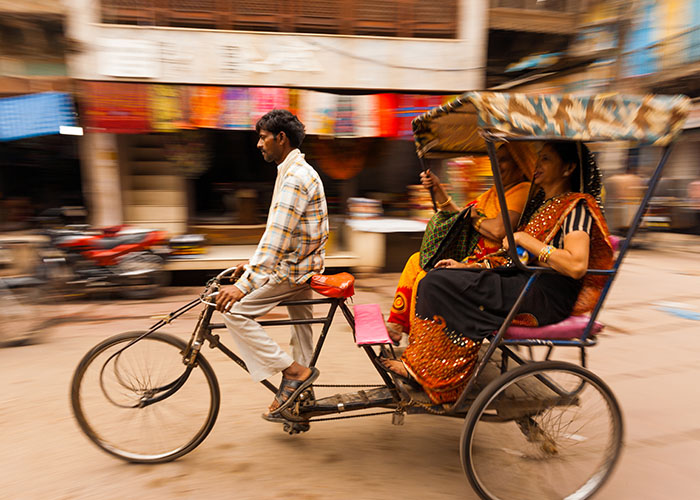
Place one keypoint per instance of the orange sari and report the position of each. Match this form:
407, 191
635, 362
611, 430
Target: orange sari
403, 307
442, 356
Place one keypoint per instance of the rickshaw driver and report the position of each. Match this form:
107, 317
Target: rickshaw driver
290, 251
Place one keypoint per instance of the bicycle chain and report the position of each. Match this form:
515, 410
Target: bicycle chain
345, 417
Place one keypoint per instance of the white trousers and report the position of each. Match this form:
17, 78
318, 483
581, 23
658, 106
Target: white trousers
262, 355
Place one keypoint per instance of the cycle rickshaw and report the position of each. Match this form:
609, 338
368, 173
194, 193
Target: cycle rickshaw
553, 429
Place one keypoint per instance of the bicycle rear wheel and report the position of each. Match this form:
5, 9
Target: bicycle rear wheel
112, 382
545, 430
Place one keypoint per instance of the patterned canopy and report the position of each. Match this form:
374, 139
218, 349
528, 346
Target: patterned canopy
461, 125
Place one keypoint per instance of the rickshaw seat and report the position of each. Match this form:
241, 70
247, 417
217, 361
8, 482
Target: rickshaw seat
341, 285
369, 325
570, 328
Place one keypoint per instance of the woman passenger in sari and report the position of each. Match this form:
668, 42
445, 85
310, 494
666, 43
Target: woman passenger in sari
461, 303
516, 162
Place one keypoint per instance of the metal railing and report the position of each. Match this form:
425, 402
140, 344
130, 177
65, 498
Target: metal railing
568, 6
406, 18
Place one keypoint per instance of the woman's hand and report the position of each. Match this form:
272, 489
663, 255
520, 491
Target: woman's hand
451, 264
429, 180
518, 237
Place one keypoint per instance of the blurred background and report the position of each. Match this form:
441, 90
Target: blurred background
128, 161
141, 112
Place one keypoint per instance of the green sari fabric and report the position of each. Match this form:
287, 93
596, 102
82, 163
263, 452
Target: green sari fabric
447, 237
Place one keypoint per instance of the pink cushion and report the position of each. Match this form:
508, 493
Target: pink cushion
614, 242
369, 325
571, 328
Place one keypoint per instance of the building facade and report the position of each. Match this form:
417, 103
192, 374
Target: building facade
351, 51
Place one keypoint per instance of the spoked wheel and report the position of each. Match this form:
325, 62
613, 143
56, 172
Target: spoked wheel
545, 430
139, 403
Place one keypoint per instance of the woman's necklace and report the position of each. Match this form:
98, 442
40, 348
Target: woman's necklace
551, 198
546, 203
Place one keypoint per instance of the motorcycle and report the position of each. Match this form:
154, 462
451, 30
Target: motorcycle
128, 260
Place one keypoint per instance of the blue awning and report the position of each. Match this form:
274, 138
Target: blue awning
35, 114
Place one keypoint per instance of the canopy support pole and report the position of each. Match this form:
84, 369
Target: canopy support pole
432, 189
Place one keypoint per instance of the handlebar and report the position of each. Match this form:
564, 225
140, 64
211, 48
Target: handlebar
225, 272
211, 289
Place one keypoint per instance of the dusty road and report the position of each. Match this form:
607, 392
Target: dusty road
649, 355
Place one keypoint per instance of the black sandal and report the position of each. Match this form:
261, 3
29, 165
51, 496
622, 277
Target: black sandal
288, 391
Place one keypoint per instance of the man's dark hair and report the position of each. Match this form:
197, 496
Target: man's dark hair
281, 120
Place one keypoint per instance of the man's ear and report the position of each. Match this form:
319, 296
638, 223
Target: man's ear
282, 136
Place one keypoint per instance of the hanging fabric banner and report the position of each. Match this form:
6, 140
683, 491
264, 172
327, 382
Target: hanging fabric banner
264, 99
366, 115
317, 111
388, 119
205, 106
235, 114
166, 107
119, 108
344, 125
410, 106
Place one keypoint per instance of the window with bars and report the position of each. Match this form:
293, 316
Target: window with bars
409, 18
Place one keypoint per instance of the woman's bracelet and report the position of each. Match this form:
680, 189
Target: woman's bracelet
444, 205
477, 223
545, 253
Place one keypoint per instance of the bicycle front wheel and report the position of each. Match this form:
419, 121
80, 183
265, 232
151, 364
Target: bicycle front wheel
545, 430
138, 403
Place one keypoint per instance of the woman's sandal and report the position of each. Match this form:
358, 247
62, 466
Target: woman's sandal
287, 392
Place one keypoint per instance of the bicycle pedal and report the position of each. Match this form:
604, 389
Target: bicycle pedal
307, 397
296, 427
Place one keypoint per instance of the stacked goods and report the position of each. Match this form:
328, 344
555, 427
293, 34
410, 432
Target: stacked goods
364, 208
187, 245
469, 176
421, 202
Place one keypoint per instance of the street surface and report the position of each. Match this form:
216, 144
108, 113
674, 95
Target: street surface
649, 354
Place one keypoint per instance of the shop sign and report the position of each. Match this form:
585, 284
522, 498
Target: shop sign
35, 114
268, 57
128, 58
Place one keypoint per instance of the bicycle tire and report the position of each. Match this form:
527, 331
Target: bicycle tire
544, 433
114, 430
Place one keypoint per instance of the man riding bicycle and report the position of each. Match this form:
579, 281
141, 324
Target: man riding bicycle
290, 251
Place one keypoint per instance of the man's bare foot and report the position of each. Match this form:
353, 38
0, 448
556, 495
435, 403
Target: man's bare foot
395, 332
396, 366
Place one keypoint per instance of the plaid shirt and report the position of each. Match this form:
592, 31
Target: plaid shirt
292, 248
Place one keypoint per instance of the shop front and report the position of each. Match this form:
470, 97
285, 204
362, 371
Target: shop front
39, 157
188, 161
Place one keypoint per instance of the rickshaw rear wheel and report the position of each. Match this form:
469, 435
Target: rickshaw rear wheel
114, 379
545, 430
